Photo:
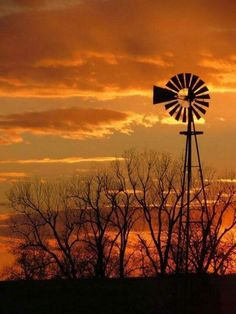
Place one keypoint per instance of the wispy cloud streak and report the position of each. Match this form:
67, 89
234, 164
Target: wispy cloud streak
68, 160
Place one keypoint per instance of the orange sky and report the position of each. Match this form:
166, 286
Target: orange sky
76, 81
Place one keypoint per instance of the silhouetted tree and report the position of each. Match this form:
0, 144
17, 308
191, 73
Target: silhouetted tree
154, 179
47, 222
30, 264
212, 239
121, 222
99, 235
122, 200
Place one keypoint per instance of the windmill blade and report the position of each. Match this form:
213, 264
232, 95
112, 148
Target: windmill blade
179, 113
203, 103
162, 95
172, 86
196, 113
176, 82
184, 115
198, 85
202, 110
174, 110
204, 96
181, 79
171, 104
193, 82
202, 90
187, 79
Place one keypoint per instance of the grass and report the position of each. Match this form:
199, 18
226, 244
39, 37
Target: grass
167, 295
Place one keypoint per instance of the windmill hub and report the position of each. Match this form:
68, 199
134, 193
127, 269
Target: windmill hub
183, 97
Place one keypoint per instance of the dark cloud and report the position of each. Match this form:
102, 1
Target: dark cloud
71, 123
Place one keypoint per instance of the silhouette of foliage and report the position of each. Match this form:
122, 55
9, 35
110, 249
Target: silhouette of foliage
123, 221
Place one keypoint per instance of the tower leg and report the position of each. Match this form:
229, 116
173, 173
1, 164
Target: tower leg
183, 232
181, 238
189, 178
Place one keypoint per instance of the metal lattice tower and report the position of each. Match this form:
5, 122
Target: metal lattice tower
186, 98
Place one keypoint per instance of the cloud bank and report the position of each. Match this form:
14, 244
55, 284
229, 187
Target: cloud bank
71, 123
89, 46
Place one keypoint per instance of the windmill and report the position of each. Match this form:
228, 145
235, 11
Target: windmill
186, 98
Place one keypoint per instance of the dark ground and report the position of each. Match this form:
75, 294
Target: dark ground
168, 295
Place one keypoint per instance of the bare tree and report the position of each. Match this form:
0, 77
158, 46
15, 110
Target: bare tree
99, 235
30, 264
46, 221
120, 222
212, 239
122, 200
155, 182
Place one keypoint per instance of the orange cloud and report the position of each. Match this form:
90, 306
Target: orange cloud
72, 47
71, 123
223, 70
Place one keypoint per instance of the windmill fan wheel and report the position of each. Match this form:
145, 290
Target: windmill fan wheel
186, 97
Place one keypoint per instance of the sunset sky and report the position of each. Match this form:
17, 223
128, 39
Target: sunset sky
76, 80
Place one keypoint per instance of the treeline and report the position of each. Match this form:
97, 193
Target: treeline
121, 222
